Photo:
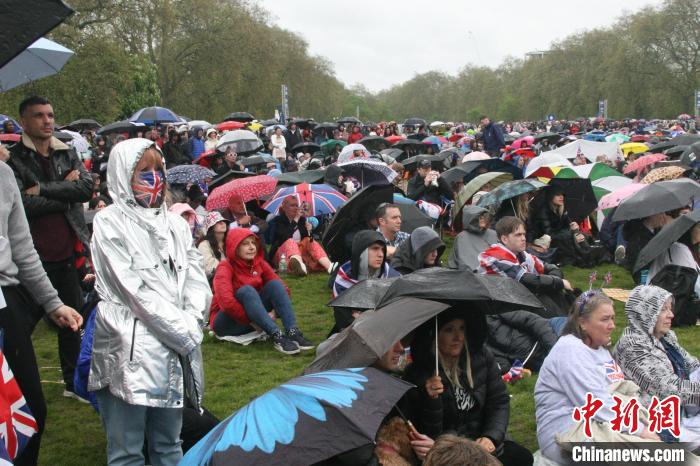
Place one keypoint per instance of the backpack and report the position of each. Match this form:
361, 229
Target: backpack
680, 281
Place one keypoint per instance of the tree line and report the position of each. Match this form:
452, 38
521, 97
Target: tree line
206, 58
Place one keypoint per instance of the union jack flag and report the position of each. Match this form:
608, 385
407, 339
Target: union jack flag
613, 371
17, 425
150, 190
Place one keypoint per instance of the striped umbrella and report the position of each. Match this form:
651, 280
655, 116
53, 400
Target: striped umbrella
321, 198
603, 178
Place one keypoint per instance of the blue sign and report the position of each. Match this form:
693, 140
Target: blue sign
551, 117
697, 99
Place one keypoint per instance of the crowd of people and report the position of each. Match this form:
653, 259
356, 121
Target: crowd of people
106, 235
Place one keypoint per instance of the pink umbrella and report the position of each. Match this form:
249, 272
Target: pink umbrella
614, 198
642, 162
475, 156
253, 187
530, 140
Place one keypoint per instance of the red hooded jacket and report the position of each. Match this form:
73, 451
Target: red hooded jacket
233, 273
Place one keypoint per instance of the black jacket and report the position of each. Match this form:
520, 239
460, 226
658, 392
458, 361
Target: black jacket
281, 229
512, 336
417, 190
433, 417
174, 155
546, 221
55, 194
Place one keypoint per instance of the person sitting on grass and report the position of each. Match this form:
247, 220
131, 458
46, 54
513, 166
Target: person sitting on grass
389, 225
422, 250
249, 296
450, 449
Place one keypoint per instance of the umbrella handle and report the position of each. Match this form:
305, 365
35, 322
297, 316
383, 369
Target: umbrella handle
437, 360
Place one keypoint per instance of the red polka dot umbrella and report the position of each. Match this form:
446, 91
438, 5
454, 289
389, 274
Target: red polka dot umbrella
250, 188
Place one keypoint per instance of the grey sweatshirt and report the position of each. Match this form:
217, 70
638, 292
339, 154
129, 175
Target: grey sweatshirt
19, 261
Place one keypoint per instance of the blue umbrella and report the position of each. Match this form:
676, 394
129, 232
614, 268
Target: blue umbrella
321, 198
4, 118
303, 421
185, 174
154, 115
41, 59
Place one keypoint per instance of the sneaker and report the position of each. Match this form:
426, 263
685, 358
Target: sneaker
620, 253
297, 266
295, 335
283, 344
75, 396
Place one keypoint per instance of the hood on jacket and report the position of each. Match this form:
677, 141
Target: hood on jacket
234, 237
331, 175
360, 243
411, 254
644, 306
470, 219
186, 211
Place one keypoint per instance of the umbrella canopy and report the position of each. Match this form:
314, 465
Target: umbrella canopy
495, 179
633, 148
373, 333
603, 178
304, 176
353, 215
414, 122
579, 197
123, 126
242, 141
613, 198
368, 172
321, 198
393, 139
198, 123
41, 59
548, 159
84, 124
243, 117
435, 140
658, 197
229, 125
402, 143
642, 162
349, 121
303, 421
663, 240
661, 146
77, 141
518, 143
363, 295
303, 123
309, 147
186, 174
374, 143
491, 294
676, 151
474, 156
250, 188
224, 178
690, 155
437, 161
412, 217
553, 138
509, 190
327, 126
591, 150
15, 137
257, 159
154, 115
685, 139
664, 174
23, 21
617, 137
329, 146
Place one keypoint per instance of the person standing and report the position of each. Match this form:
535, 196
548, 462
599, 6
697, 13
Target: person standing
279, 146
54, 184
492, 136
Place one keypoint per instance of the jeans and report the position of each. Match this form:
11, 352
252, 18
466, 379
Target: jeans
257, 305
125, 425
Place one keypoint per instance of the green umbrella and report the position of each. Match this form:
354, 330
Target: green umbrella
329, 145
475, 185
603, 178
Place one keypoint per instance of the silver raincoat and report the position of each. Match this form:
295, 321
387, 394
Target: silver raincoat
153, 291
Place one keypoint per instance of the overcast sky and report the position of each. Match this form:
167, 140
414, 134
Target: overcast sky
381, 43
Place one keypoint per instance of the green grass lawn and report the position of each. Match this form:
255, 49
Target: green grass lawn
236, 374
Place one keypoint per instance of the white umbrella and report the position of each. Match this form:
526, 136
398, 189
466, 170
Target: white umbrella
78, 142
41, 59
244, 142
548, 159
201, 123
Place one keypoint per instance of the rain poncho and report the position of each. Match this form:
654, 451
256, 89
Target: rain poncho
153, 292
472, 241
410, 255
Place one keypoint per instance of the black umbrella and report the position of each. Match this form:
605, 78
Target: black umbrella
61, 136
414, 122
325, 126
658, 197
412, 217
508, 139
553, 138
226, 177
579, 198
309, 147
258, 159
663, 240
374, 143
351, 216
83, 124
122, 126
373, 333
685, 139
349, 121
392, 152
661, 146
690, 155
22, 22
243, 117
368, 171
303, 123
676, 151
304, 176
454, 174
363, 295
270, 122
474, 168
491, 294
437, 161
408, 142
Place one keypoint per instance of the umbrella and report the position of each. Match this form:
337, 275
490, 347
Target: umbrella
594, 136
685, 139
189, 174
198, 123
374, 143
243, 117
309, 147
661, 146
224, 178
436, 123
690, 155
373, 333
473, 156
304, 176
368, 172
242, 141
437, 161
435, 140
348, 152
392, 152
579, 197
553, 138
676, 151
229, 125
603, 178
62, 136
303, 123
684, 116
257, 159
303, 421
658, 197
77, 141
123, 126
393, 139
353, 214
349, 121
322, 198
412, 217
363, 295
15, 137
154, 115
83, 125
633, 148
509, 190
642, 162
329, 146
548, 159
327, 126
414, 122
406, 142
495, 179
489, 293
664, 174
517, 144
614, 198
24, 21
617, 137
41, 59
663, 240
4, 118
250, 188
